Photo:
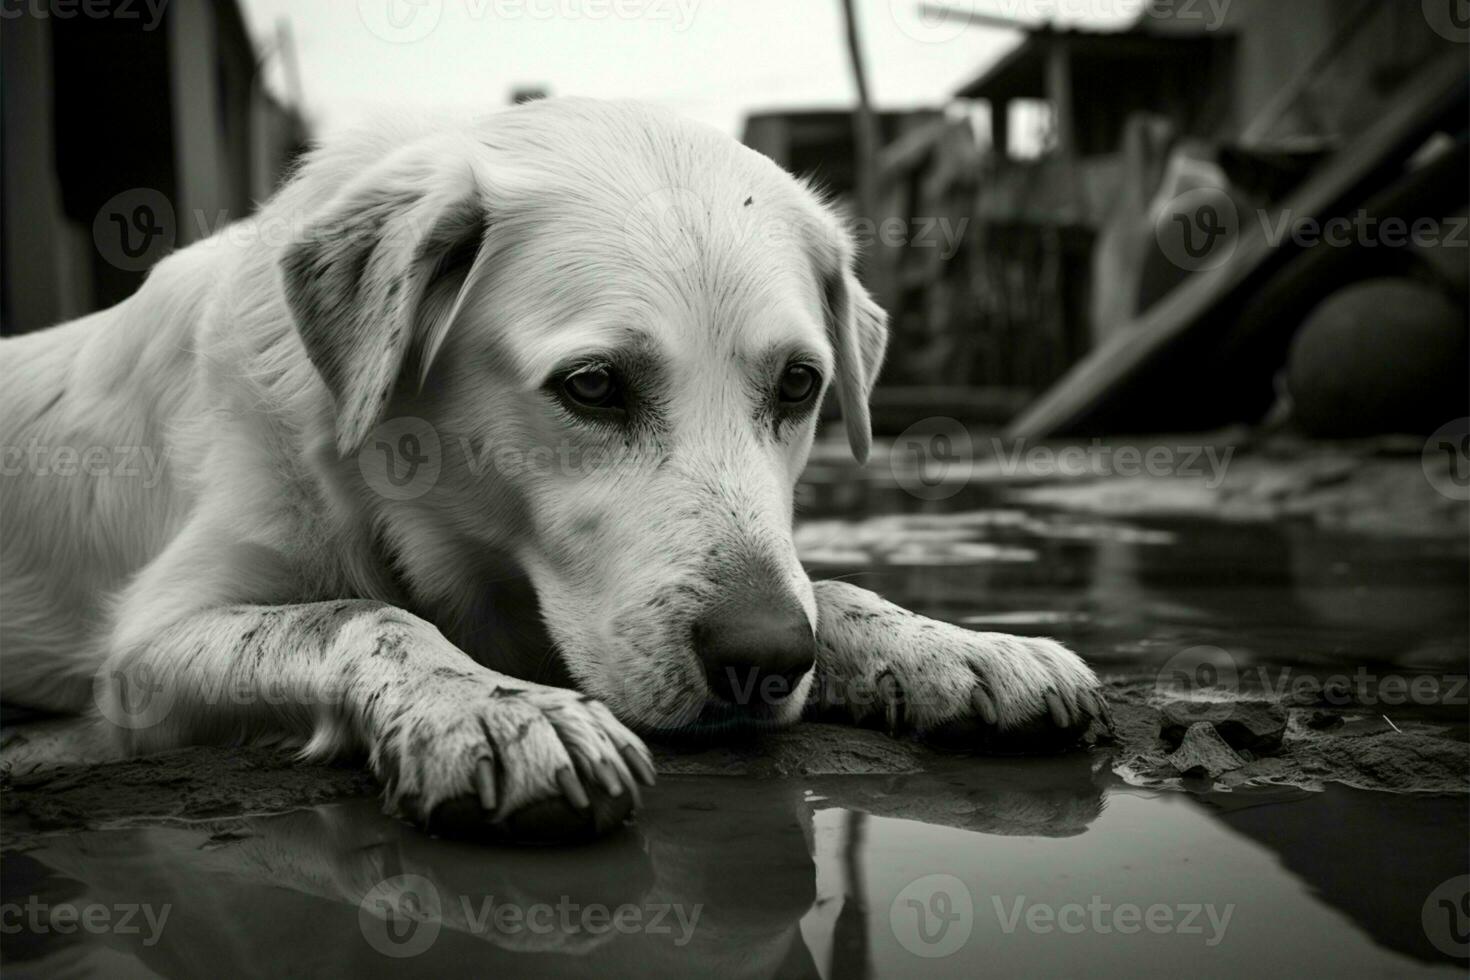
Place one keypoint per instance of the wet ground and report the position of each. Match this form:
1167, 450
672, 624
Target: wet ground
1111, 860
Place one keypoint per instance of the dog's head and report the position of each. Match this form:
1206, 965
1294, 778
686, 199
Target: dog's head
618, 327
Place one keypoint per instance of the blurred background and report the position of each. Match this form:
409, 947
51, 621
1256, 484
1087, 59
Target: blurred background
1092, 216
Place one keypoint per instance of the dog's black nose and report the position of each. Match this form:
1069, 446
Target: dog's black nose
754, 651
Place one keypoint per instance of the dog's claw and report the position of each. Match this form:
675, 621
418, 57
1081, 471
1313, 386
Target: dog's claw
1058, 710
616, 778
640, 766
1093, 707
980, 698
485, 784
607, 776
572, 788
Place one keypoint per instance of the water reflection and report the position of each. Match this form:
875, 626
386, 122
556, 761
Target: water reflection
743, 878
726, 866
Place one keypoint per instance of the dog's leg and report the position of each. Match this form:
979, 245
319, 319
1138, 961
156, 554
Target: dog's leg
361, 675
879, 663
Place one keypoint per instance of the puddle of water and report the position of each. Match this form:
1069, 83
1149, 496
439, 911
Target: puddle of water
1044, 865
1000, 867
1130, 593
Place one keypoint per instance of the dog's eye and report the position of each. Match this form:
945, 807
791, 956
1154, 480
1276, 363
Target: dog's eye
797, 384
594, 387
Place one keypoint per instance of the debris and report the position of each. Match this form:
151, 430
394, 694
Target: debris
1323, 720
1107, 385
1254, 726
1203, 752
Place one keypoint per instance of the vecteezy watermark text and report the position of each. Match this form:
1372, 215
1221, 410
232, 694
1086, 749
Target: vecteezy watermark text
403, 915
937, 21
36, 916
1201, 228
936, 457
148, 12
1204, 669
407, 21
35, 458
934, 916
1106, 918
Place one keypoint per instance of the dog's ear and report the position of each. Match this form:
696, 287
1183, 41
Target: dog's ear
859, 331
375, 283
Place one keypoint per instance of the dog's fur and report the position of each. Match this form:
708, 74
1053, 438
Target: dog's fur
254, 576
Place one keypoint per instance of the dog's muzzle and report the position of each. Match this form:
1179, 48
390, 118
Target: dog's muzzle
755, 650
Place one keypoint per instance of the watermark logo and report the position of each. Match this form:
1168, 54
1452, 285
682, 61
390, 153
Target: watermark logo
940, 233
1446, 917
400, 21
1098, 459
1199, 229
931, 24
1197, 671
401, 916
1450, 19
135, 229
134, 693
1446, 459
402, 458
1204, 674
1362, 229
933, 458
933, 916
131, 693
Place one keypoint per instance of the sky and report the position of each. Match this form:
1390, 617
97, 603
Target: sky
714, 60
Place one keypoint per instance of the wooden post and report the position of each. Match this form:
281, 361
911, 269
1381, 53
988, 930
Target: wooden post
867, 143
1000, 127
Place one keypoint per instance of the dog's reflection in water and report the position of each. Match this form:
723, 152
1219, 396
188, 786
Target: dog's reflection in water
713, 880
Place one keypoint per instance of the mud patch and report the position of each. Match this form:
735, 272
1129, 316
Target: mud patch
186, 785
48, 785
1223, 747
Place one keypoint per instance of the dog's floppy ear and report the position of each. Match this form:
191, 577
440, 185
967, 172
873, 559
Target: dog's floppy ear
378, 279
859, 331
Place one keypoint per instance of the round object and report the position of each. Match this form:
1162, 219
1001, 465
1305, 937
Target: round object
1380, 356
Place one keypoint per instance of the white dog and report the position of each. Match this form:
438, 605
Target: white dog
331, 472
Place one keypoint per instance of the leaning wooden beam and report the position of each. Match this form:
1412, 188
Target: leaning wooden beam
1088, 389
865, 123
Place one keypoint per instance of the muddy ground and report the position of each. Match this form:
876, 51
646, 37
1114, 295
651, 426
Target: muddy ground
55, 777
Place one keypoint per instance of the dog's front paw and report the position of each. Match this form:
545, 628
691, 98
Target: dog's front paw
882, 665
1017, 694
478, 755
955, 687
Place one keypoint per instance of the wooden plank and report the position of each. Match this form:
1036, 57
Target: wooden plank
1087, 389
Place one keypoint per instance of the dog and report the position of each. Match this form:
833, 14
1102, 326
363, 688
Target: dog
607, 332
